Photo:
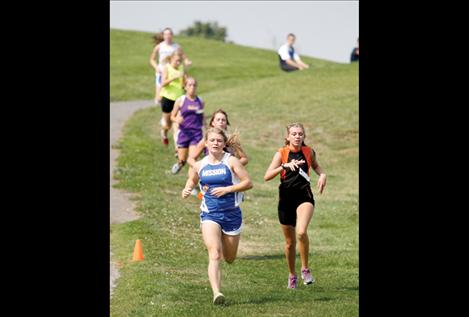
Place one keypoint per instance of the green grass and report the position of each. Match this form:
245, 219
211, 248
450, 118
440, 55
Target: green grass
216, 65
261, 100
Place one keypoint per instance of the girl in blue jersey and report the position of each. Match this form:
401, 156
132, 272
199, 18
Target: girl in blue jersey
296, 203
222, 178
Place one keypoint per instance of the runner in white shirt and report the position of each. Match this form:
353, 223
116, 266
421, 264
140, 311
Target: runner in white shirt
164, 46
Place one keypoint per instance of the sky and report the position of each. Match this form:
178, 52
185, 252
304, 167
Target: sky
324, 29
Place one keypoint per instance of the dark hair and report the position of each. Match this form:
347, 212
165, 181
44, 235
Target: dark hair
295, 125
291, 34
167, 29
214, 114
158, 38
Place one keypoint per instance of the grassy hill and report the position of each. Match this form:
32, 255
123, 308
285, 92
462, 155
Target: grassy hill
260, 100
217, 65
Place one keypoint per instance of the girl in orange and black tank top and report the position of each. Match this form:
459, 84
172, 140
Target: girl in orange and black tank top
296, 201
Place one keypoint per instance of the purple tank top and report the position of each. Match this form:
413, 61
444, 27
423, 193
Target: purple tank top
193, 113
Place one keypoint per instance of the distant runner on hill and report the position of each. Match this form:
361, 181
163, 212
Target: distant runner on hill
164, 47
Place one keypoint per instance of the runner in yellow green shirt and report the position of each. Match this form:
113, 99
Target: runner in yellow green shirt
173, 79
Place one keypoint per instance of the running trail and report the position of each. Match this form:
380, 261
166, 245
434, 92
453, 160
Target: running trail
121, 207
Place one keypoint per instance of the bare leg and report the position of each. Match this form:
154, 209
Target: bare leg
304, 213
182, 154
230, 247
192, 150
290, 247
175, 134
211, 233
166, 124
157, 94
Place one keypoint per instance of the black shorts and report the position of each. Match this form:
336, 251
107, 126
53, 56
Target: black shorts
288, 68
284, 66
289, 200
167, 105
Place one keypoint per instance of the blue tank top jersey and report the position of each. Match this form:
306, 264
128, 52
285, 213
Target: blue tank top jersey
218, 175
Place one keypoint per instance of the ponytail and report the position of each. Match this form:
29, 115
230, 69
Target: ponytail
234, 143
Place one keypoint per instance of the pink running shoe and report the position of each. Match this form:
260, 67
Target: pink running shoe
292, 281
307, 277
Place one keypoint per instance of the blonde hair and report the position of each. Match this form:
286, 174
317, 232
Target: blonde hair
168, 58
217, 131
235, 144
295, 125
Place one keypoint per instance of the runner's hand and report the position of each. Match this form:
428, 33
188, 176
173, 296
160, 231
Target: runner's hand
321, 183
179, 118
186, 192
220, 191
293, 164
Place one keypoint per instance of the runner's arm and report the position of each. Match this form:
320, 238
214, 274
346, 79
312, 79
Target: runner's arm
318, 170
274, 168
240, 171
153, 62
191, 181
167, 80
174, 113
191, 160
187, 61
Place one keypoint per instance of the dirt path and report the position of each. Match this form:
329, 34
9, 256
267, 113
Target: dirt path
122, 208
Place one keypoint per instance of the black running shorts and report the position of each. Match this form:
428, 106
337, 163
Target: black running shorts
289, 200
167, 105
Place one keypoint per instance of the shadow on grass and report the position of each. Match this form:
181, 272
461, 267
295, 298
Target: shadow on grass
324, 299
269, 299
262, 257
256, 301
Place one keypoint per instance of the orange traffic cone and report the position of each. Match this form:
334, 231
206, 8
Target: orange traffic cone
138, 254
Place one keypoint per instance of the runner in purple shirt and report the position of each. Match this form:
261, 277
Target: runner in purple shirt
188, 112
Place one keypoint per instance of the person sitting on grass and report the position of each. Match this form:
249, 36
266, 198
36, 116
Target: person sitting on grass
289, 59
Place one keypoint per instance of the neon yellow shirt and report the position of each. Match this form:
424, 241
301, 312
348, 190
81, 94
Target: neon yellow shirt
174, 89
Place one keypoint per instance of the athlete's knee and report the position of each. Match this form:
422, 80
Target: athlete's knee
230, 259
215, 254
302, 235
289, 244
